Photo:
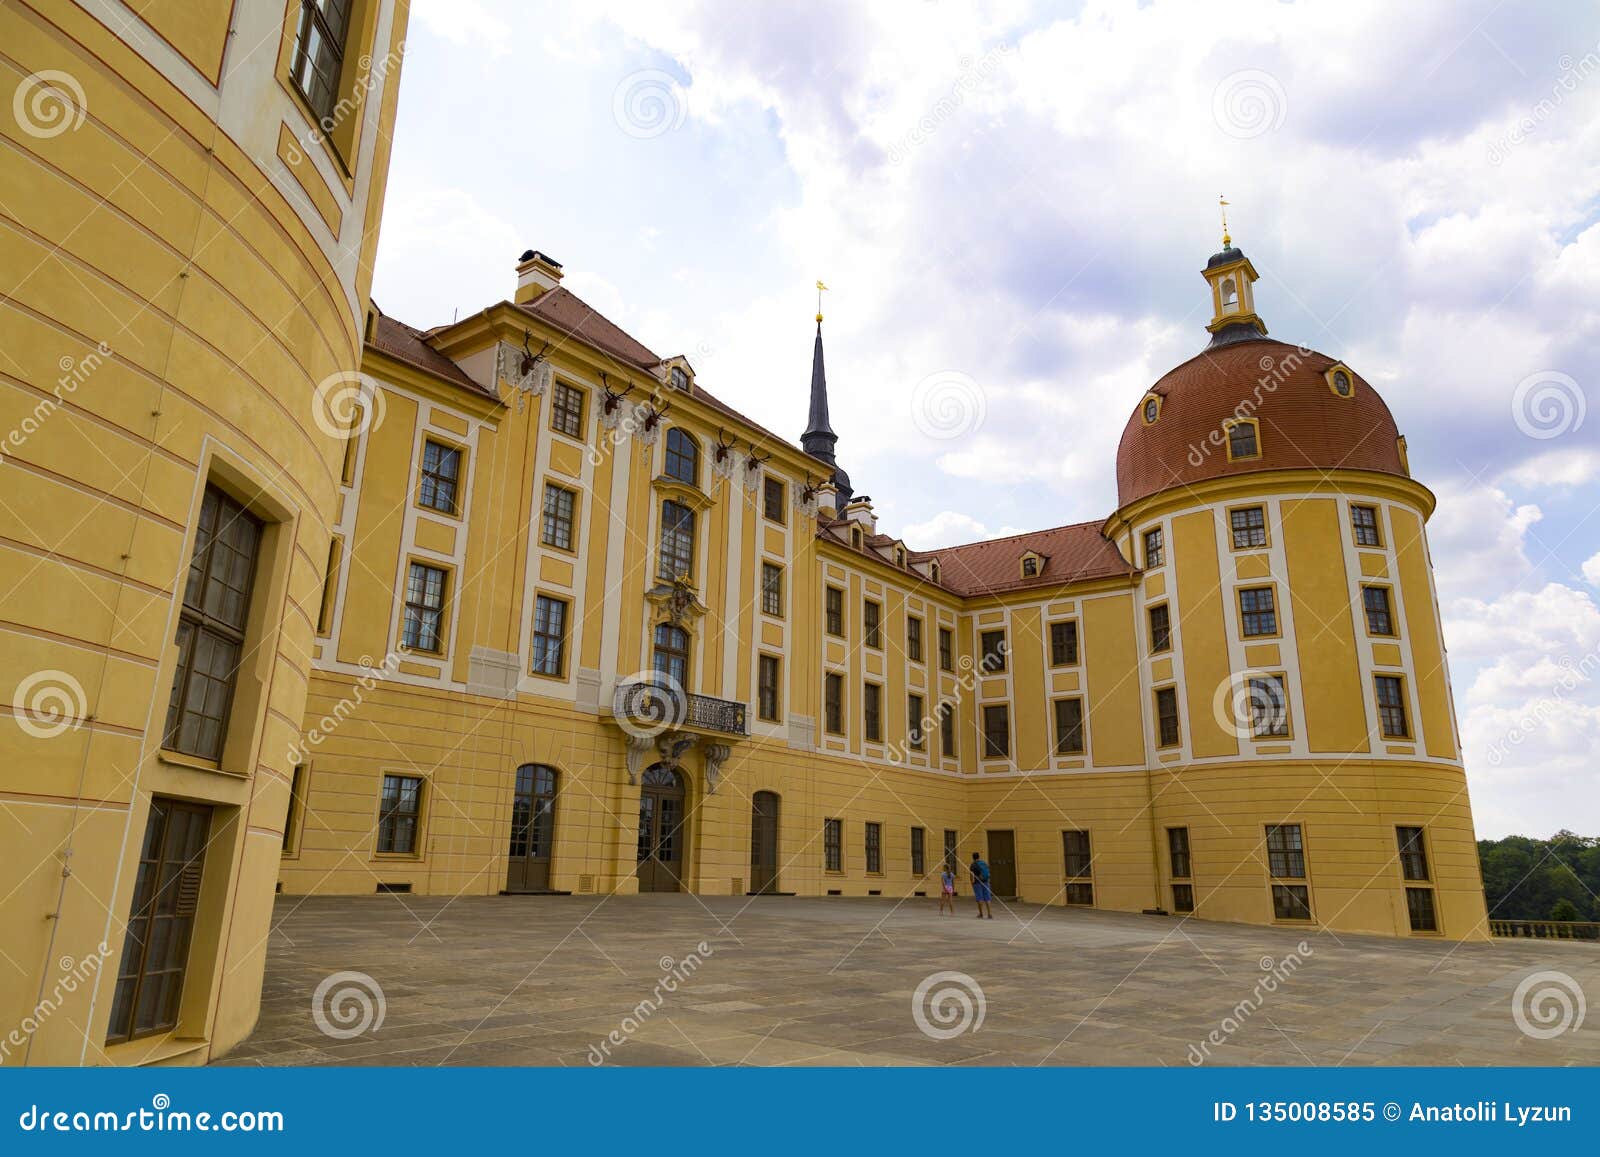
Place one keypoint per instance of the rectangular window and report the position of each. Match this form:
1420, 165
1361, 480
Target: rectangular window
1242, 441
914, 722
566, 410
1375, 601
1413, 855
330, 585
947, 649
559, 504
871, 613
951, 843
914, 640
1364, 523
833, 704
1075, 850
1160, 629
677, 542
1249, 527
767, 687
1154, 549
1064, 644
1167, 732
211, 626
872, 712
834, 600
919, 863
1291, 902
441, 476
833, 845
549, 636
874, 848
1286, 855
992, 646
1392, 706
1069, 726
166, 894
771, 589
423, 626
947, 729
1178, 850
399, 811
352, 446
996, 731
318, 61
1419, 906
1183, 898
1258, 612
772, 498
1269, 709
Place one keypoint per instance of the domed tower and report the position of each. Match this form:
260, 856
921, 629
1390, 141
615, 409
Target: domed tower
1299, 720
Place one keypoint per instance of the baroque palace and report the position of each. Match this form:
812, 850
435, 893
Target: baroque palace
305, 598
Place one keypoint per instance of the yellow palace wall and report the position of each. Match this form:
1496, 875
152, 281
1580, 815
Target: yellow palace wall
1333, 775
190, 258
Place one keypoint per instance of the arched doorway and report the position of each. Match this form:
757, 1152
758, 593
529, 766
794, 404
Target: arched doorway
533, 829
663, 830
764, 843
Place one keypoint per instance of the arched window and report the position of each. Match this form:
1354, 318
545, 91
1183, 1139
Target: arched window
683, 457
672, 652
677, 541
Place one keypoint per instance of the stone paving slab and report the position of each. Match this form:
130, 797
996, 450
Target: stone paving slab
831, 981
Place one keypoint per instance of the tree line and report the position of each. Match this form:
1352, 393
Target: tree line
1554, 879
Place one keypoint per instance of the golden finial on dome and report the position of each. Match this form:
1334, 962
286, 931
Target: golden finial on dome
820, 288
1226, 240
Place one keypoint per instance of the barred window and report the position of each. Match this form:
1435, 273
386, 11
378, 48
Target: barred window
399, 811
1291, 902
914, 640
1249, 527
947, 649
1392, 706
996, 731
1167, 731
951, 857
874, 847
1419, 907
441, 475
871, 613
549, 635
1183, 898
423, 626
918, 851
566, 410
1160, 629
1286, 856
1364, 523
833, 845
1375, 601
1155, 553
559, 504
1064, 643
771, 589
1258, 612
1069, 726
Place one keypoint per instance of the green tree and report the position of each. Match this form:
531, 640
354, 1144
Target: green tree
1564, 909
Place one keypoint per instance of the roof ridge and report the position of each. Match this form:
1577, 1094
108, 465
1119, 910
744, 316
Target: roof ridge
1019, 534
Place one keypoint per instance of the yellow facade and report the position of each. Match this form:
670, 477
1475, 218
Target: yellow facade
190, 254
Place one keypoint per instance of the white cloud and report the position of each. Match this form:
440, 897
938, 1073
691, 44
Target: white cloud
951, 528
1591, 570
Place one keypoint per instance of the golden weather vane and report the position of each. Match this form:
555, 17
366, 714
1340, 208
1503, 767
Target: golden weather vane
1226, 240
820, 288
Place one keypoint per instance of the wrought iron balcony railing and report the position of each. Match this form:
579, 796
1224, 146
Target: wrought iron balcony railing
659, 704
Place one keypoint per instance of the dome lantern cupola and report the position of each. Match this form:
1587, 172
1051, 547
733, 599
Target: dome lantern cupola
1233, 305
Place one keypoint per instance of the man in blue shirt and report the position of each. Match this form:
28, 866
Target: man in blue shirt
980, 886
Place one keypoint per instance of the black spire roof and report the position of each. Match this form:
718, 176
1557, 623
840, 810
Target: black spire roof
819, 438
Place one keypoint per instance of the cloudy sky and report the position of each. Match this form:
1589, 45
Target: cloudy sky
1011, 204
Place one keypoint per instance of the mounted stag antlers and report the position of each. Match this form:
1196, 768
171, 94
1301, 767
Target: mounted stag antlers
611, 404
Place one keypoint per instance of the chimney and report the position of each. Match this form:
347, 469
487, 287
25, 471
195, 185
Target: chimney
859, 510
536, 273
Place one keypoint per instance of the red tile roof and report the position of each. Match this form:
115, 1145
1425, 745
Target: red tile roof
1075, 553
401, 342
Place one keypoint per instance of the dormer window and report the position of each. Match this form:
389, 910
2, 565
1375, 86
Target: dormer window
1030, 567
1340, 380
679, 378
1151, 409
855, 537
1243, 440
900, 556
933, 570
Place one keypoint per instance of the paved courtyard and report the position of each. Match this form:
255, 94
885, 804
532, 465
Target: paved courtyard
560, 980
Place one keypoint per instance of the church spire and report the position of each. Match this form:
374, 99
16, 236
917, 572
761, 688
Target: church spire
819, 438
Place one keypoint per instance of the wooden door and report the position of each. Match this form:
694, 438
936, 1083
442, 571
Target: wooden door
764, 843
1003, 864
533, 828
663, 830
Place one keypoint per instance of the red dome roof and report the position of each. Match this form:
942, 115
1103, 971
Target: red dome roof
1302, 422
